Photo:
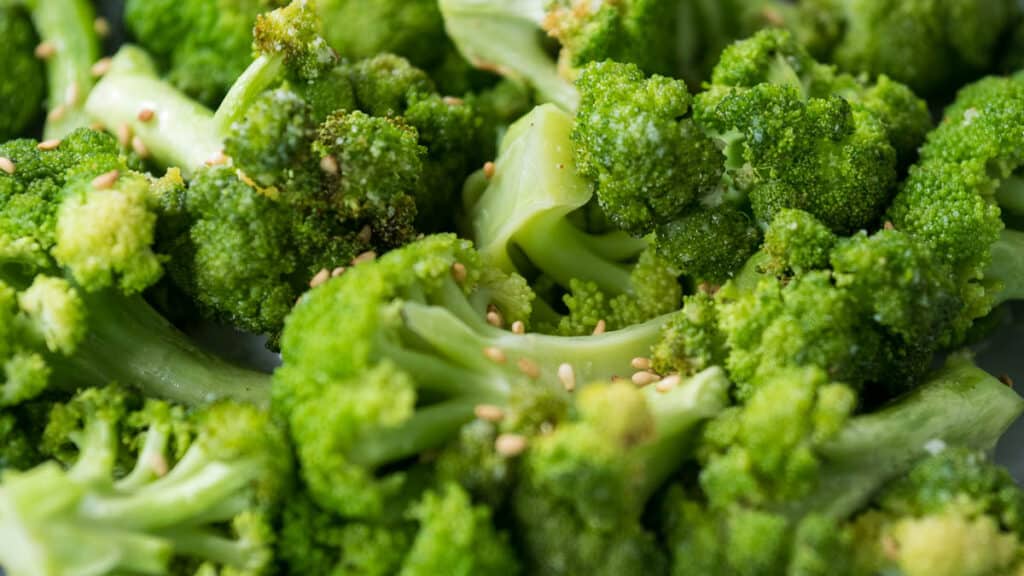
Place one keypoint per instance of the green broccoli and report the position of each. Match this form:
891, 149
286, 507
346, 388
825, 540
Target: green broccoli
24, 82
76, 233
307, 164
414, 359
135, 486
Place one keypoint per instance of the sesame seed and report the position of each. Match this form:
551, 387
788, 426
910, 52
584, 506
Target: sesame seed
124, 134
518, 327
6, 165
888, 225
338, 271
529, 368
329, 164
140, 147
45, 50
668, 383
57, 113
489, 170
459, 272
105, 180
217, 159
322, 276
146, 114
495, 355
365, 234
600, 328
494, 318
1005, 379
641, 363
453, 101
368, 256
71, 94
48, 144
489, 412
509, 445
98, 126
101, 26
643, 378
567, 376
158, 464
101, 67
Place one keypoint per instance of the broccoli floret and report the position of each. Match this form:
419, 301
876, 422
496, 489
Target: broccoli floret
954, 513
76, 233
593, 475
798, 520
932, 46
797, 242
202, 45
24, 80
135, 486
414, 358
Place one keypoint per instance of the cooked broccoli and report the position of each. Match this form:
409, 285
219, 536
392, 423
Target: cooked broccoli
328, 161
136, 485
413, 358
76, 233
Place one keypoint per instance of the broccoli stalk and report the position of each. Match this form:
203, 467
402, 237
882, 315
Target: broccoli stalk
202, 488
1007, 266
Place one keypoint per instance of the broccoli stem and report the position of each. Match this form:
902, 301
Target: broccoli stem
1007, 266
264, 72
130, 343
677, 416
960, 405
67, 27
429, 427
1010, 194
600, 357
181, 132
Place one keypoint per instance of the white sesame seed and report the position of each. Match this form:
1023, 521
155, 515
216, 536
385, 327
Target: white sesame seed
453, 101
101, 67
105, 180
459, 272
489, 412
140, 147
158, 464
567, 376
6, 165
45, 50
494, 318
71, 94
529, 368
509, 445
667, 383
495, 355
48, 144
600, 328
518, 327
489, 170
322, 276
367, 256
57, 113
329, 165
124, 134
641, 363
644, 378
101, 26
146, 114
217, 159
338, 271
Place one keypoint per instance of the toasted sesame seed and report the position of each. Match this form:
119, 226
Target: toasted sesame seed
888, 225
329, 165
365, 235
57, 113
217, 159
146, 114
494, 318
101, 67
495, 355
600, 328
509, 445
140, 147
567, 376
6, 165
518, 327
489, 412
124, 134
643, 378
368, 256
1005, 379
529, 368
158, 464
338, 271
667, 383
453, 101
45, 50
489, 170
101, 26
641, 363
105, 180
322, 276
48, 144
459, 272
71, 94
